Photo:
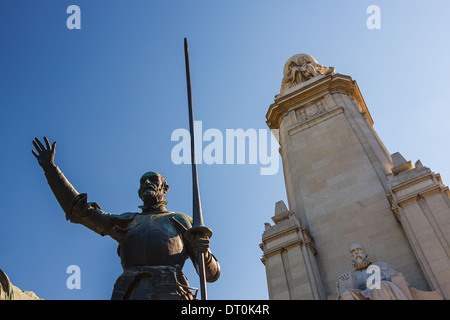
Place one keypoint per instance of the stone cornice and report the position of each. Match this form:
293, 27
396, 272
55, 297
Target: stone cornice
413, 180
313, 89
291, 228
400, 195
282, 247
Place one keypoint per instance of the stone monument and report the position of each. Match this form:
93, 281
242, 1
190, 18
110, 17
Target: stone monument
343, 185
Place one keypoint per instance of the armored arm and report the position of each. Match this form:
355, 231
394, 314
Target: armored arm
63, 190
74, 204
198, 244
212, 267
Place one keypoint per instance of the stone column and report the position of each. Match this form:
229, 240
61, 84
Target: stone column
421, 204
291, 269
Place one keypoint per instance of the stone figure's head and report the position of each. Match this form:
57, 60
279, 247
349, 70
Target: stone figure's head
357, 252
297, 61
153, 188
300, 68
360, 258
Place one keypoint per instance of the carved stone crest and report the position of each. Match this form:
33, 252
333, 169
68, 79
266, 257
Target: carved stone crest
301, 68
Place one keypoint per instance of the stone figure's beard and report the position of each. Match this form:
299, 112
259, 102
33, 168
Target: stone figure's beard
363, 264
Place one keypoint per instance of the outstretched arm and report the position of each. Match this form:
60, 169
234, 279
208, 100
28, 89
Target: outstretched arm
74, 204
64, 192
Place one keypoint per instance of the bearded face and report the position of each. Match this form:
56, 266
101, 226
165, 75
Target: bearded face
358, 254
360, 258
153, 188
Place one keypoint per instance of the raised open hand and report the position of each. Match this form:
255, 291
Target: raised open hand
45, 155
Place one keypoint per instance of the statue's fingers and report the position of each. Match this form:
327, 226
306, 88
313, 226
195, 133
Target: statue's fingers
201, 249
35, 154
40, 144
53, 146
37, 147
47, 143
203, 244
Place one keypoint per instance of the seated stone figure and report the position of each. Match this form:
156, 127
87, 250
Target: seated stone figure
361, 284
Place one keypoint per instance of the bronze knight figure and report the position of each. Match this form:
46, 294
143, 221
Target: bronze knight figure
152, 246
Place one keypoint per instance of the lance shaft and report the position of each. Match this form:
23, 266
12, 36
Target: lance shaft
197, 229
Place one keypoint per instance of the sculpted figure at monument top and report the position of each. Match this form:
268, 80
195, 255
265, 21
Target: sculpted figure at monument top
376, 281
301, 68
152, 246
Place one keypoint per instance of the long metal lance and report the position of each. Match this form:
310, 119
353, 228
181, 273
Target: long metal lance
197, 229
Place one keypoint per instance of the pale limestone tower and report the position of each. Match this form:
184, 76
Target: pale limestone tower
343, 186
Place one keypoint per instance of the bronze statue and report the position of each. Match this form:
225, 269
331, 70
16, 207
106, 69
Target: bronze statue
152, 243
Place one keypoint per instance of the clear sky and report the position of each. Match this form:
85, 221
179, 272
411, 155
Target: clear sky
112, 93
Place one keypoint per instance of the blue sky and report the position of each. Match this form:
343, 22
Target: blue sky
112, 93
